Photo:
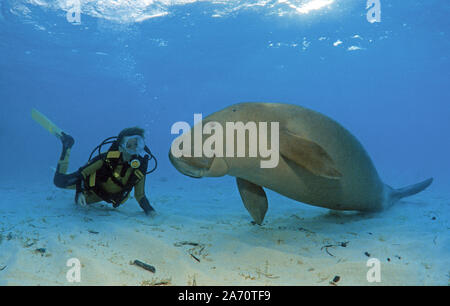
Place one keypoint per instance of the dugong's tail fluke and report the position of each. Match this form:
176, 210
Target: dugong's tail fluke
397, 194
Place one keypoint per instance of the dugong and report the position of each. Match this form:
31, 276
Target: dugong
319, 162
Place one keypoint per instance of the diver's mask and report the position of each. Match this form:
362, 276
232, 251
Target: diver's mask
133, 149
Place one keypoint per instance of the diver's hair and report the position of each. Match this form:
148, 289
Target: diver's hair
132, 131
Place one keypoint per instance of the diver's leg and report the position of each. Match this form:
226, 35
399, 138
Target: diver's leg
61, 179
67, 143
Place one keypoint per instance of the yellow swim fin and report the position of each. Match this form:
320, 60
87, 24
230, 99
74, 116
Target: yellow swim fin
46, 123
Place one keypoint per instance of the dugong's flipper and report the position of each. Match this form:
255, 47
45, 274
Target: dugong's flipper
254, 199
307, 154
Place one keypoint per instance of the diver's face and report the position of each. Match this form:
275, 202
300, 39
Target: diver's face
131, 145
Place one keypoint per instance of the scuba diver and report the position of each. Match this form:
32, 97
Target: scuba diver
110, 176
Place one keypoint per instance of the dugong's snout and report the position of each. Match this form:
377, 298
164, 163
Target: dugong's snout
187, 166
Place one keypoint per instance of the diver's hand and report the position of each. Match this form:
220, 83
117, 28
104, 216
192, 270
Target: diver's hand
146, 207
80, 199
152, 213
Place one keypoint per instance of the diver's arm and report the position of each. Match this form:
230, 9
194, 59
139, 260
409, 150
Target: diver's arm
80, 199
91, 168
84, 172
145, 205
139, 194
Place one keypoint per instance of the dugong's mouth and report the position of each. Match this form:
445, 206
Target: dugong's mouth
185, 168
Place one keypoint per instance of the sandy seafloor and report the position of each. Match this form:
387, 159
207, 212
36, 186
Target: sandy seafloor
206, 218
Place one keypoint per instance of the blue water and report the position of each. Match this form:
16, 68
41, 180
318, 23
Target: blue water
386, 82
